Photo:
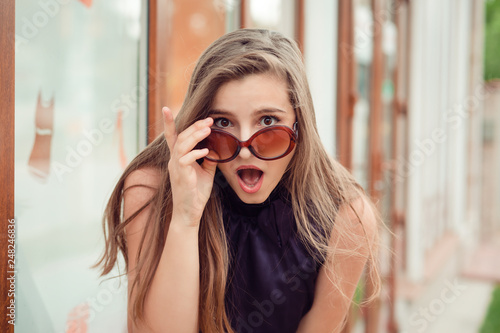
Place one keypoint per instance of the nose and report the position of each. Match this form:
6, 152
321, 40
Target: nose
245, 153
245, 134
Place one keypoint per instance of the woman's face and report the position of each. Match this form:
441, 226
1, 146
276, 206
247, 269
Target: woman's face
242, 107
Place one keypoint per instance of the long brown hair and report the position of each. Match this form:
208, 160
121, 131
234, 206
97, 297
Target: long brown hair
318, 184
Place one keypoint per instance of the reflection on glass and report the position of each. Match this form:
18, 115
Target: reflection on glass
192, 26
77, 97
39, 161
277, 15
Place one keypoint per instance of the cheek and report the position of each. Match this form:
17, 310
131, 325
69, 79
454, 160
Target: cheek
288, 159
223, 167
280, 166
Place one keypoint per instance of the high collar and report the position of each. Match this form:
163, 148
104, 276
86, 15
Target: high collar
274, 217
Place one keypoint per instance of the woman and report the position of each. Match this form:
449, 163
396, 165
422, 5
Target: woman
236, 219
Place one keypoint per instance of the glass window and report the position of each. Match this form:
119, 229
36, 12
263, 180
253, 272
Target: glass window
78, 93
277, 15
186, 29
363, 50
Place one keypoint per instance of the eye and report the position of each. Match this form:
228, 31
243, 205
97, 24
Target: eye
222, 122
268, 120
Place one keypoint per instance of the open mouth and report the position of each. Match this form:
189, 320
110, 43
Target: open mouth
250, 180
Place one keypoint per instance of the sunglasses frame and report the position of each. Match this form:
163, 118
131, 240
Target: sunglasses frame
293, 133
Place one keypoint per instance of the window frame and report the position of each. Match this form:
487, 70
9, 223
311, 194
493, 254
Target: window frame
7, 86
299, 20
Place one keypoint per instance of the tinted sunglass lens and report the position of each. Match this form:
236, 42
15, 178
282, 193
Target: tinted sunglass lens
271, 143
221, 146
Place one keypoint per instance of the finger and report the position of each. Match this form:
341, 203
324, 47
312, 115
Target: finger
169, 127
209, 166
199, 125
192, 156
188, 139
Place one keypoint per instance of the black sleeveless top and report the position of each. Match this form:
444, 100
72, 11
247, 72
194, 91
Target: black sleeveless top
272, 276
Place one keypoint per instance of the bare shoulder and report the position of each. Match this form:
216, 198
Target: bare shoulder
356, 227
354, 234
147, 177
360, 220
140, 186
359, 216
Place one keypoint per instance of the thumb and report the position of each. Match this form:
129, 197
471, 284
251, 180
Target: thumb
209, 166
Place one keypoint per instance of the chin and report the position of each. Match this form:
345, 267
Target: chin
252, 198
255, 198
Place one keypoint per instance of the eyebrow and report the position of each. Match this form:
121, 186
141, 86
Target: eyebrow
260, 111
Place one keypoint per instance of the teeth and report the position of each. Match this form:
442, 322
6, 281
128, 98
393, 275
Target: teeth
250, 176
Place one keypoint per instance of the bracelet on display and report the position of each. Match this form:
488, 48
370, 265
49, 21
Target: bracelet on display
43, 131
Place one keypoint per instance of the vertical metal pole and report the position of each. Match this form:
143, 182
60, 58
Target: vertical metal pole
346, 86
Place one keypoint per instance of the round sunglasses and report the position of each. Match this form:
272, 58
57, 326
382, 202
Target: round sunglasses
269, 143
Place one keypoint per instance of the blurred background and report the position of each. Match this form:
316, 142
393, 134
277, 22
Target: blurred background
406, 93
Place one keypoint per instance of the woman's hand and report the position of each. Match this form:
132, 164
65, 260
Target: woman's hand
191, 182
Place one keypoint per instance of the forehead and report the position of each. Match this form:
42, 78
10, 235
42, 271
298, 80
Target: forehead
252, 93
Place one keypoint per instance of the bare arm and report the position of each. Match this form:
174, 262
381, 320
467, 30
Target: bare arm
171, 304
330, 307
